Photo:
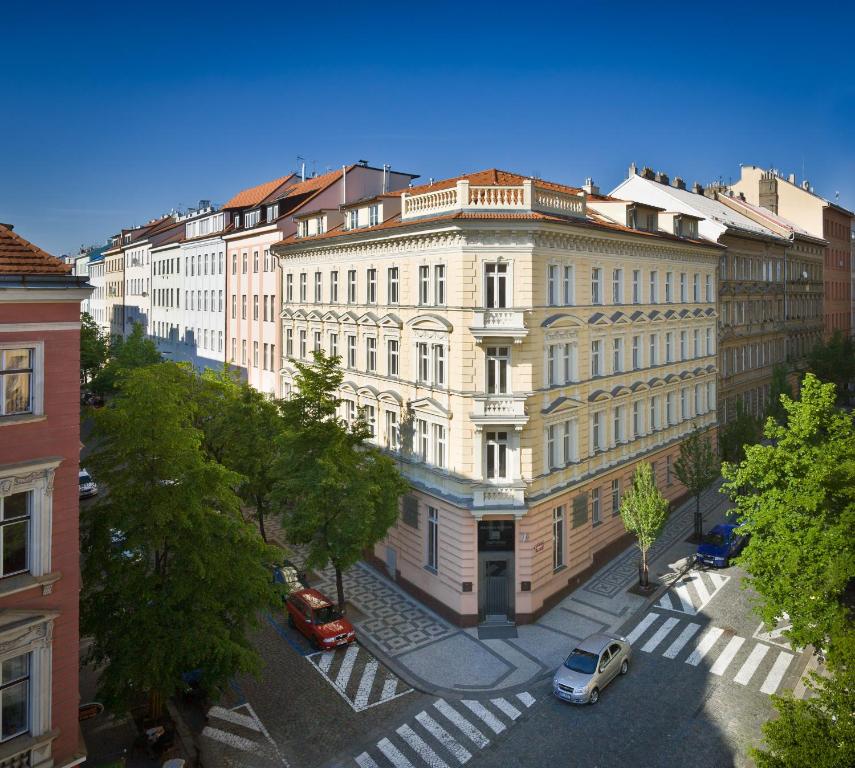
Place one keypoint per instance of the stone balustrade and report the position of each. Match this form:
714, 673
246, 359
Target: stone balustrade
499, 323
499, 410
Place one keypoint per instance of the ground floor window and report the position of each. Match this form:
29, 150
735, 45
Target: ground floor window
14, 533
15, 697
615, 495
595, 506
433, 539
558, 537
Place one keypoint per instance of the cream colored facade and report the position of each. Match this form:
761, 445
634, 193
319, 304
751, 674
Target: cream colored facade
501, 336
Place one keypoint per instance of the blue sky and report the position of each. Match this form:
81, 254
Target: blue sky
115, 113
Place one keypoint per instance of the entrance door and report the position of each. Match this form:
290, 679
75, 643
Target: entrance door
495, 588
496, 570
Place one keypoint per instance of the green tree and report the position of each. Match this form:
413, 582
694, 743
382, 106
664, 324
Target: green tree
779, 386
834, 360
697, 468
135, 351
94, 348
336, 492
644, 511
796, 499
736, 434
173, 577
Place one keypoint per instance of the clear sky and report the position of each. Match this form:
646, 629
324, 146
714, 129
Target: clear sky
113, 114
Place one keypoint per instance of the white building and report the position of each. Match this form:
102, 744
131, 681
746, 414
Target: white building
94, 305
137, 264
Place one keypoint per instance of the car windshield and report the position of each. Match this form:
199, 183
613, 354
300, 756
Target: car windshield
714, 539
581, 661
327, 614
84, 478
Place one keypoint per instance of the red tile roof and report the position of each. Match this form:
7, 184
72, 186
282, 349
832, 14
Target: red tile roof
490, 177
255, 195
20, 257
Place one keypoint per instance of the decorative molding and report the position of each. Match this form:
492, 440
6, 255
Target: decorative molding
27, 327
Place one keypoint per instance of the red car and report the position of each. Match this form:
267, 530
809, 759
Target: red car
318, 619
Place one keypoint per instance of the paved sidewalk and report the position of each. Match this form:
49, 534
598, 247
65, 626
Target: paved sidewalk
440, 658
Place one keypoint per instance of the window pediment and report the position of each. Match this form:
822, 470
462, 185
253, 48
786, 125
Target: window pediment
430, 407
390, 397
430, 323
561, 319
598, 318
562, 405
619, 318
599, 395
391, 321
369, 318
348, 317
368, 391
655, 382
330, 316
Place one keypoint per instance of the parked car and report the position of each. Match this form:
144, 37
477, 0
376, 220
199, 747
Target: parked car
722, 542
590, 667
316, 616
290, 577
86, 486
91, 398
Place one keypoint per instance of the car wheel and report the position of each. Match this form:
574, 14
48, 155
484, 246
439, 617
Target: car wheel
291, 621
726, 563
624, 668
595, 696
316, 644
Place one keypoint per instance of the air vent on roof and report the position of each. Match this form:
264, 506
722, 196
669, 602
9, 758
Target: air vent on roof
647, 173
678, 183
590, 187
697, 188
363, 163
662, 178
806, 185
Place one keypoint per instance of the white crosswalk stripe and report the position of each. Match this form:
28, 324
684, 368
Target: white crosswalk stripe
240, 730
642, 626
660, 635
358, 677
749, 667
726, 656
229, 715
692, 591
687, 634
424, 743
776, 674
704, 645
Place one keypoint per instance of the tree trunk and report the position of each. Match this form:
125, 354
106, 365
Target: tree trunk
155, 705
339, 586
259, 513
643, 573
699, 520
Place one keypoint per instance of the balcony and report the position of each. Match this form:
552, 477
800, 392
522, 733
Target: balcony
499, 323
524, 198
499, 410
498, 499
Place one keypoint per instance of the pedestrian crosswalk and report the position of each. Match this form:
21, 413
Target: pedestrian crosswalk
724, 651
692, 591
241, 739
446, 734
358, 677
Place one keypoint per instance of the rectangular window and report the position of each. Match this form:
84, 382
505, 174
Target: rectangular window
597, 432
696, 287
684, 345
654, 349
289, 288
303, 283
595, 507
439, 285
709, 342
392, 357
596, 349
496, 276
318, 287
617, 425
254, 262
433, 539
351, 351
684, 288
289, 342
617, 355
439, 365
669, 287
316, 346
669, 409
684, 404
552, 285
333, 345
439, 445
393, 433
16, 381
243, 262
265, 351
353, 219
569, 448
424, 284
616, 496
636, 353
570, 370
255, 307
498, 365
497, 455
373, 215
696, 343
351, 286
569, 285
636, 286
617, 286
334, 287
15, 697
552, 445
303, 351
653, 420
370, 353
422, 439
243, 307
243, 352
15, 512
654, 287
636, 419
392, 285
596, 286
234, 264
558, 538
423, 354
552, 365
371, 287
708, 290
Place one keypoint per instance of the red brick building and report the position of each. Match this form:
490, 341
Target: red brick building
39, 545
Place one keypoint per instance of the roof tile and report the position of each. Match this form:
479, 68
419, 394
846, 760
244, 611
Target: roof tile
20, 257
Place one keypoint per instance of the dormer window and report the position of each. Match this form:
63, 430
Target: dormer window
319, 225
272, 211
373, 215
352, 219
652, 225
251, 218
304, 229
237, 220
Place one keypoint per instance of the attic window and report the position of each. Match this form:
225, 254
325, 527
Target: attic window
251, 218
319, 225
304, 229
652, 224
352, 219
373, 215
272, 211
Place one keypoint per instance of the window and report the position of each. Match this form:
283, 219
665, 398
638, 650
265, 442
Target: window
558, 538
267, 264
234, 350
265, 358
669, 347
669, 287
709, 344
684, 404
318, 287
668, 479
351, 286
439, 364
497, 455
496, 289
669, 409
654, 347
424, 284
570, 370
302, 350
351, 351
393, 432
371, 287
289, 342
654, 287
439, 285
16, 381
636, 353
498, 365
370, 353
234, 264
596, 347
617, 286
597, 432
684, 345
432, 539
316, 345
696, 287
255, 307
617, 355
242, 307
243, 263
636, 286
596, 286
373, 215
696, 343
617, 425
243, 352
370, 419
254, 261
423, 362
552, 445
708, 289
439, 445
552, 285
595, 507
683, 288
333, 345
15, 697
570, 441
289, 288
334, 287
392, 285
392, 357
636, 419
569, 286
15, 512
353, 219
303, 281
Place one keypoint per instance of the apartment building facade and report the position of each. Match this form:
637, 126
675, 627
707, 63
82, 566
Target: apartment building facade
261, 217
97, 279
500, 335
39, 453
821, 218
752, 335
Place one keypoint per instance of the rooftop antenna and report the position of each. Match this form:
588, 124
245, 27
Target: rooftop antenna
314, 168
301, 162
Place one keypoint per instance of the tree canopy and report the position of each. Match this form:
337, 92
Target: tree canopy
125, 354
834, 360
796, 499
736, 434
94, 347
644, 511
697, 468
173, 578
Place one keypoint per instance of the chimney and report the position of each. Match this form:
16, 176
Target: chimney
678, 183
792, 178
647, 173
204, 204
633, 170
806, 185
662, 178
10, 227
697, 188
590, 187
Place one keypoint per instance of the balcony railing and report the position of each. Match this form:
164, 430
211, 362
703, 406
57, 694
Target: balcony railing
522, 198
499, 410
501, 323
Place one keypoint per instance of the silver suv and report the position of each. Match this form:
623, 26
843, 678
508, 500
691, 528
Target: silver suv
590, 667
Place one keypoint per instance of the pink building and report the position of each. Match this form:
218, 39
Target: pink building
39, 455
262, 216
